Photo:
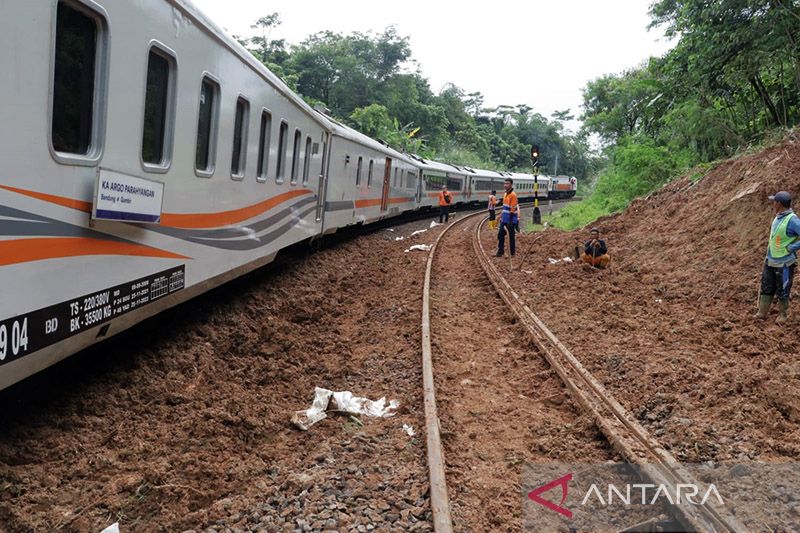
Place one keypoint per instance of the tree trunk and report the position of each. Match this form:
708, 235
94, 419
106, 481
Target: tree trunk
758, 85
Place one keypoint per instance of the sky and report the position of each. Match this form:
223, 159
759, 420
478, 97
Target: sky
539, 53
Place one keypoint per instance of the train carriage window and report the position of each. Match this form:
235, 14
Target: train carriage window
159, 110
207, 128
358, 170
434, 183
307, 161
282, 141
394, 179
298, 137
453, 184
238, 157
79, 84
411, 180
369, 174
263, 146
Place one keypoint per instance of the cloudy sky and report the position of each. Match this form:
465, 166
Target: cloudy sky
537, 53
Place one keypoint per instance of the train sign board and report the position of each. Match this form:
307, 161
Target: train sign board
127, 198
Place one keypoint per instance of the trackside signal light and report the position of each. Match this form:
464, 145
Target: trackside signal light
535, 155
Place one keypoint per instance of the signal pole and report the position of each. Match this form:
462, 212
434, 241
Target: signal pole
537, 215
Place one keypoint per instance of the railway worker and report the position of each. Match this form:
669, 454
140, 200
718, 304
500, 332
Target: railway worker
595, 251
781, 260
444, 204
492, 206
508, 219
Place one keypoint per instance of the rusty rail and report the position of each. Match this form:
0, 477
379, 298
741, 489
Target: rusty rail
621, 429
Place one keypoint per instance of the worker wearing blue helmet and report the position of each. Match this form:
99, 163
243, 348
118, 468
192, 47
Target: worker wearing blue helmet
781, 260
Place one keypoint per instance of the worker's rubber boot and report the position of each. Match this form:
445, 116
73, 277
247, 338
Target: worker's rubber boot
783, 311
764, 301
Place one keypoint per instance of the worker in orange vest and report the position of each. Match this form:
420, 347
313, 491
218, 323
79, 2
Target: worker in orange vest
444, 204
508, 220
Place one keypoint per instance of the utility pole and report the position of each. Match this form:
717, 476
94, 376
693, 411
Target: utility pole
537, 215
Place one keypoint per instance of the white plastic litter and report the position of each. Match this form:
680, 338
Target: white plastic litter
418, 232
409, 430
389, 229
343, 401
434, 224
658, 300
421, 247
528, 271
113, 528
557, 261
400, 238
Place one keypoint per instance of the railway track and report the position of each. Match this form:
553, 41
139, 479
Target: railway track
619, 427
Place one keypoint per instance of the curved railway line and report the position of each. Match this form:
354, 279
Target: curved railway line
620, 428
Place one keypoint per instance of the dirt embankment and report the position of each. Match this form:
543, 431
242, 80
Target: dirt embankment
668, 328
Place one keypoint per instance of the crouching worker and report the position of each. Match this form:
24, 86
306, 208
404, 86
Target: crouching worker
781, 261
595, 251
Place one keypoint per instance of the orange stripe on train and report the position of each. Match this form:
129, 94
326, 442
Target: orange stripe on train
26, 250
371, 202
214, 220
86, 207
179, 220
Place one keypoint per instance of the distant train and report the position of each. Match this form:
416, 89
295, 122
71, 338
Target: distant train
563, 187
148, 157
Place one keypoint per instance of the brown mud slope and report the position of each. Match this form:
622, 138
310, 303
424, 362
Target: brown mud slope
668, 328
184, 422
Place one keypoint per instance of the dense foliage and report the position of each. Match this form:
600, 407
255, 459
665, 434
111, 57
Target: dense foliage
369, 82
732, 77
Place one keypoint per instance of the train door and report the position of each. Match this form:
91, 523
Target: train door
387, 174
469, 188
322, 185
419, 188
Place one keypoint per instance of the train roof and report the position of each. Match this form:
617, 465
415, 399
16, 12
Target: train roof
483, 173
521, 175
437, 166
221, 36
346, 132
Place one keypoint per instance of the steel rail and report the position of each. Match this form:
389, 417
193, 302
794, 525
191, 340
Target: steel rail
440, 503
622, 430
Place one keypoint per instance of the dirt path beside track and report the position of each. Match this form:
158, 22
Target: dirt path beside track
499, 403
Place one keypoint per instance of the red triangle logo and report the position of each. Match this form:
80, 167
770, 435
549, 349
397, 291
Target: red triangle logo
563, 482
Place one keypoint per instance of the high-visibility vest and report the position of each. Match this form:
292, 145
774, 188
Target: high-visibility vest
442, 201
779, 240
510, 204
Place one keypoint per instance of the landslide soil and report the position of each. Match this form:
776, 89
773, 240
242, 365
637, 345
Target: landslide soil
183, 422
500, 404
668, 327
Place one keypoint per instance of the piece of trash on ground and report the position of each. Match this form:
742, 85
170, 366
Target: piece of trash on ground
421, 247
389, 229
557, 261
400, 238
434, 224
528, 271
409, 430
418, 232
343, 401
113, 528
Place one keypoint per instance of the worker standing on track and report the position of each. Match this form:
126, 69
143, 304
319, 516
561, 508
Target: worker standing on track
595, 251
508, 220
492, 206
781, 260
444, 204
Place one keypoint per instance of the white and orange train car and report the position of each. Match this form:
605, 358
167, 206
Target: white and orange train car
148, 157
